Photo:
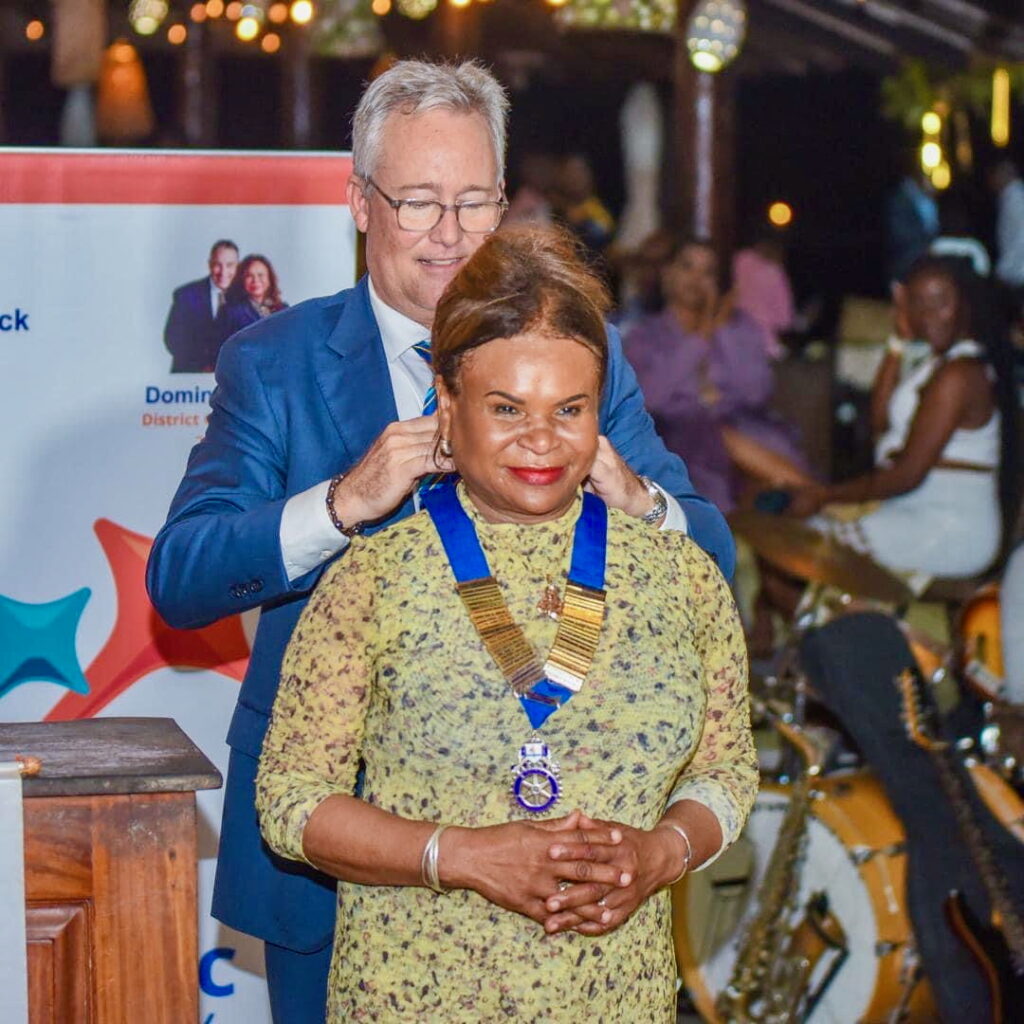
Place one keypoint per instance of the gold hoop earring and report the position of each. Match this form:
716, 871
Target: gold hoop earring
445, 447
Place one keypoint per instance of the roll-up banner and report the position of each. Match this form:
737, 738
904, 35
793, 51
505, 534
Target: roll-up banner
109, 292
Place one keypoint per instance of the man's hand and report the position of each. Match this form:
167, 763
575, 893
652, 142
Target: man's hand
615, 483
385, 476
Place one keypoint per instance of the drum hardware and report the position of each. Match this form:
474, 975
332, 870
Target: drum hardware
911, 975
863, 854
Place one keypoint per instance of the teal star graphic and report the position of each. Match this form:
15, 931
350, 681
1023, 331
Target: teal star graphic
37, 642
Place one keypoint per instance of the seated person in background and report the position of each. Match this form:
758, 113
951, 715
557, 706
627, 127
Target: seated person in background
253, 294
395, 667
763, 290
707, 379
580, 208
945, 469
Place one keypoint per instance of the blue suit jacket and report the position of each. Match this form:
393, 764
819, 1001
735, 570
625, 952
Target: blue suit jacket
301, 396
189, 328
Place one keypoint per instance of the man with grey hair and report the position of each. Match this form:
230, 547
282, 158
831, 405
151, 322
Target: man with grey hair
319, 427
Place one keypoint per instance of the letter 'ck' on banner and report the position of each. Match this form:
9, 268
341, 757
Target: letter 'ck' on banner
118, 289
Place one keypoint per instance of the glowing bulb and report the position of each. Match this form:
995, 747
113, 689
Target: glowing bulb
942, 176
247, 29
35, 30
270, 43
931, 156
233, 11
780, 214
380, 7
198, 12
214, 8
302, 12
460, 3
278, 13
715, 33
931, 123
1000, 127
177, 34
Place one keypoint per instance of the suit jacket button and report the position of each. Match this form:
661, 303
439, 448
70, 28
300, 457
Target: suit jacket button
256, 586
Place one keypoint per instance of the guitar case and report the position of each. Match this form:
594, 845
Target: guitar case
852, 662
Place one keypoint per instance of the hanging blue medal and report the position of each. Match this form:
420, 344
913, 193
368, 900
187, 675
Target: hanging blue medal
541, 690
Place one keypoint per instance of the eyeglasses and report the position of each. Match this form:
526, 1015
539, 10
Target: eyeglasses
425, 214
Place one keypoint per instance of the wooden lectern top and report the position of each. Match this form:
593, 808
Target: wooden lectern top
108, 755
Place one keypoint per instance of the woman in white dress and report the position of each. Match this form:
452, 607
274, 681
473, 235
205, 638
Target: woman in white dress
934, 502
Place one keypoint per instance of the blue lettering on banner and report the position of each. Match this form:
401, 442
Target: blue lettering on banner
206, 962
16, 321
181, 396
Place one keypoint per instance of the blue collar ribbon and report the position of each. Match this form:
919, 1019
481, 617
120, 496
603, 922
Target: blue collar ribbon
468, 562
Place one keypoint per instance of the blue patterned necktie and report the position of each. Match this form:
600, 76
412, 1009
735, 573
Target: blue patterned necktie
422, 349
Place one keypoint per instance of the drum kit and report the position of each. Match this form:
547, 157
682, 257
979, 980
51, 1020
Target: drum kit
805, 917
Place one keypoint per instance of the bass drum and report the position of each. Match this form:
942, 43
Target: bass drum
854, 859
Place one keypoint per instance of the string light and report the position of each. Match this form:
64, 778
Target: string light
460, 3
931, 155
146, 16
780, 214
941, 176
302, 12
247, 29
34, 30
198, 13
1001, 107
214, 8
380, 7
233, 11
931, 123
270, 43
278, 13
177, 34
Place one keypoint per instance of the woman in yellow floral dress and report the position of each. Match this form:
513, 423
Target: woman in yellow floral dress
548, 696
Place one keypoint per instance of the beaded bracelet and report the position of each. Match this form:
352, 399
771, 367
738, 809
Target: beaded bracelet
428, 862
345, 531
689, 848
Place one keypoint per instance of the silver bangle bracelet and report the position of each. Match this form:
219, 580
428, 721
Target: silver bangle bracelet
689, 848
428, 862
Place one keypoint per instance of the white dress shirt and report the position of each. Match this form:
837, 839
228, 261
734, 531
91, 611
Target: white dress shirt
308, 537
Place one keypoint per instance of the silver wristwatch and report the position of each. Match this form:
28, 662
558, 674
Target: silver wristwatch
660, 506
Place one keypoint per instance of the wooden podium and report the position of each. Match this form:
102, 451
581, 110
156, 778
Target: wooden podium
110, 869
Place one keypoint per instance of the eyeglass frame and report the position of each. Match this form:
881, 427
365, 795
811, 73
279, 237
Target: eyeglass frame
397, 204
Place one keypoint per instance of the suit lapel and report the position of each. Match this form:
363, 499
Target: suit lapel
352, 373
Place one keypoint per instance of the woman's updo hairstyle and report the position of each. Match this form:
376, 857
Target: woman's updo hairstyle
520, 279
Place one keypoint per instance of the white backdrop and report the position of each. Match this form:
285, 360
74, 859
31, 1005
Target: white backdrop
93, 245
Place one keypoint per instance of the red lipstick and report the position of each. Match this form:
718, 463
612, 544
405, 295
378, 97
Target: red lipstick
538, 477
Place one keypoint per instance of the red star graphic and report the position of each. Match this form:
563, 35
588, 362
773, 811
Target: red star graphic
141, 641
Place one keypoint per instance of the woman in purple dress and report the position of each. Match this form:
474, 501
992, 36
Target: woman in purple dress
707, 381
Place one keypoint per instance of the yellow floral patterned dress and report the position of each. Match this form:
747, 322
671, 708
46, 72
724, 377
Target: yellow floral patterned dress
385, 667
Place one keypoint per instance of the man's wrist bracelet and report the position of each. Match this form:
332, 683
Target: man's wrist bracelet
345, 531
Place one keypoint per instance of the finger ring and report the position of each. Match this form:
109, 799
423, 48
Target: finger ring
563, 885
601, 902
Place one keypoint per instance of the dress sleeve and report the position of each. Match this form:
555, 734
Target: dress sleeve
312, 747
723, 773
